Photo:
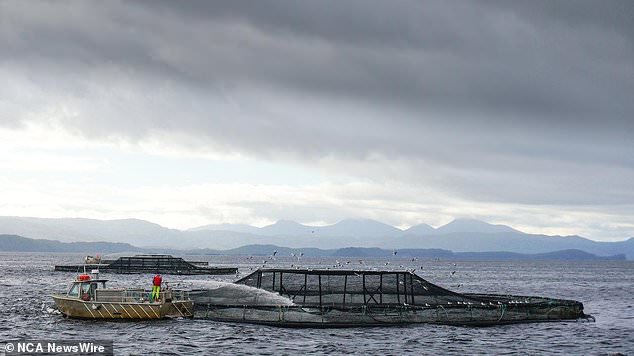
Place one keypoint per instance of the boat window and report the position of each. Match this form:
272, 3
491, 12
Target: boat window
85, 288
86, 293
74, 291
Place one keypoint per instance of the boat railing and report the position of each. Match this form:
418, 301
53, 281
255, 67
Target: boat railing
139, 295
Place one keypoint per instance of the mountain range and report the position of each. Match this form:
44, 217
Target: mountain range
460, 235
13, 243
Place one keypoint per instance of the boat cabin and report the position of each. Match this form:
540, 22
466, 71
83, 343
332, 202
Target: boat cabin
85, 288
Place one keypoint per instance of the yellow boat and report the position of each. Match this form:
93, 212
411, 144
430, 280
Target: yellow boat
88, 298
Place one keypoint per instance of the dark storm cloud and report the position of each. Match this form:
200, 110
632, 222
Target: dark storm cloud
523, 101
539, 57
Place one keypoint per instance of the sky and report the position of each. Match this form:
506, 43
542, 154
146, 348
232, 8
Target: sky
407, 112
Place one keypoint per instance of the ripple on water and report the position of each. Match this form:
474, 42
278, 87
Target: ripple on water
605, 288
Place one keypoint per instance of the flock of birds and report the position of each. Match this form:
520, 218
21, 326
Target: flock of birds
345, 264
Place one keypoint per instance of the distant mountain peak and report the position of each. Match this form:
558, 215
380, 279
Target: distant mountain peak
420, 229
359, 221
287, 223
472, 225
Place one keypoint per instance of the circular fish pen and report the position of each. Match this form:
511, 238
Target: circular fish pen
342, 298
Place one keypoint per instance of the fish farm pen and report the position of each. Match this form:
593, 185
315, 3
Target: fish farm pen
163, 264
340, 298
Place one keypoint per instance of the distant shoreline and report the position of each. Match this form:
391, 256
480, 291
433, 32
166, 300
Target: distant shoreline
15, 243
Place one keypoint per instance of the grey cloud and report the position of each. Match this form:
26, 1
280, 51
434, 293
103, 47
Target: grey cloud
500, 60
509, 101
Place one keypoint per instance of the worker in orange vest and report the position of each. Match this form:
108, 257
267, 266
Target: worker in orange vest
156, 287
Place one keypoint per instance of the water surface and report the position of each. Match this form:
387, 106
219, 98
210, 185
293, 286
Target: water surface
605, 287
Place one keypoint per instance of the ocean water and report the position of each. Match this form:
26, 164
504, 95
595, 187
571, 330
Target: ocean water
606, 289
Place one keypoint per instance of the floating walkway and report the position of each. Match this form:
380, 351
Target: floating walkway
163, 264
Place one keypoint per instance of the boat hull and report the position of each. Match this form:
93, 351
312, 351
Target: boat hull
75, 308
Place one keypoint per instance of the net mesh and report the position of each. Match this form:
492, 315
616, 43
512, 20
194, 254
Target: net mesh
341, 287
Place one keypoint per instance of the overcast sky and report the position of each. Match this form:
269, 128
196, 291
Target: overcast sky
188, 113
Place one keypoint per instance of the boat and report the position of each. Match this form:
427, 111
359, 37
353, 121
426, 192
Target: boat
94, 260
88, 298
349, 298
163, 264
